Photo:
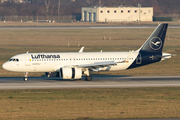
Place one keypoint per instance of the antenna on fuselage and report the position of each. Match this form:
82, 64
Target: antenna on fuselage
27, 52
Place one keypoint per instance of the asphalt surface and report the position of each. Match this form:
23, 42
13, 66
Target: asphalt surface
82, 27
152, 119
97, 82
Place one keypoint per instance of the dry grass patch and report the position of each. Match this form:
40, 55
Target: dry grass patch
19, 41
90, 103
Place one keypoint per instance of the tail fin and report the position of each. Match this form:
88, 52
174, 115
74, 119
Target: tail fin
155, 42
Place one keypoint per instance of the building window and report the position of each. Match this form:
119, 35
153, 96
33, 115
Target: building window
121, 11
108, 11
101, 11
129, 11
115, 11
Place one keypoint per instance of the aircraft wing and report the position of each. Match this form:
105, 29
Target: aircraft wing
98, 65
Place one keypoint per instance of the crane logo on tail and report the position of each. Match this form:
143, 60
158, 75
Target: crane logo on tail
155, 43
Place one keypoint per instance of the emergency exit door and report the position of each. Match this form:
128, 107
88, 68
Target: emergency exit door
27, 60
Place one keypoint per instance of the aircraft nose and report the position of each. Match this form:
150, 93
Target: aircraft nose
5, 66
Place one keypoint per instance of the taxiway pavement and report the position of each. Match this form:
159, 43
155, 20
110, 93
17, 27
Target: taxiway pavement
97, 82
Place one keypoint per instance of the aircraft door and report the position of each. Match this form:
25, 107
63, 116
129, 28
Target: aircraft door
27, 60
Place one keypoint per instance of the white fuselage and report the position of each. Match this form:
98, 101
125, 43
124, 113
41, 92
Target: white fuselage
51, 62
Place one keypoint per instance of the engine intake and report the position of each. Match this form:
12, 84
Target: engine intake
70, 73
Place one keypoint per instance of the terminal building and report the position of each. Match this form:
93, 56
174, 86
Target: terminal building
117, 14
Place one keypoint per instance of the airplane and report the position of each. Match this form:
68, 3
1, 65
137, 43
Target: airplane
76, 64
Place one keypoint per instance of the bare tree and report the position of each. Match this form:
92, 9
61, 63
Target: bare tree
53, 4
47, 3
59, 4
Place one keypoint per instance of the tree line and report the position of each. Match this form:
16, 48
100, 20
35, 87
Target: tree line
73, 7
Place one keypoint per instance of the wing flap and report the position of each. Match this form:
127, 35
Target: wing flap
98, 65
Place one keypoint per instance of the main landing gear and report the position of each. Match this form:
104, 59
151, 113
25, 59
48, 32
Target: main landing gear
26, 76
88, 78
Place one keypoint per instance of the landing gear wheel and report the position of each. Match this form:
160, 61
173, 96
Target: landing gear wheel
88, 78
26, 76
25, 79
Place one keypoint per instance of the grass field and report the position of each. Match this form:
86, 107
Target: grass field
109, 103
20, 41
94, 103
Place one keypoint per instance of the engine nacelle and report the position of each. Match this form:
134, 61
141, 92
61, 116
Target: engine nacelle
70, 73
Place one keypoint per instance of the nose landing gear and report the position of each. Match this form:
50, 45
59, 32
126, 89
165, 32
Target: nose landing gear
25, 76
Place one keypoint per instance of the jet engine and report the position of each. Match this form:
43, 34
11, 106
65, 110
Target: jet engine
70, 73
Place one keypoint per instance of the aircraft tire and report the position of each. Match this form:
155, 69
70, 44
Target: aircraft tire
25, 79
88, 78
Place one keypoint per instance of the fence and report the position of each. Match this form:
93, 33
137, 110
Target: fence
173, 16
37, 18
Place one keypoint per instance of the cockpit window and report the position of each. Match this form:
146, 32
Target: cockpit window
13, 59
